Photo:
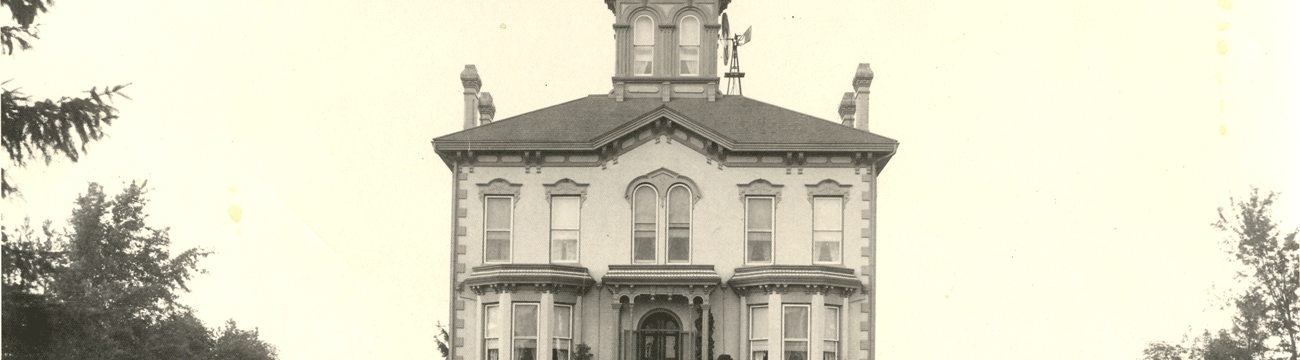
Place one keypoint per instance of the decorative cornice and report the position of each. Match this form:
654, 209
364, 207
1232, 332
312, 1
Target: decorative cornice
543, 277
499, 186
663, 275
829, 187
760, 187
777, 278
566, 187
662, 180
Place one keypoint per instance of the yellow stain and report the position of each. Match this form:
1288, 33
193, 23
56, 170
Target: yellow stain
232, 189
1225, 4
503, 26
1219, 76
235, 212
1223, 129
1222, 104
1222, 47
1223, 26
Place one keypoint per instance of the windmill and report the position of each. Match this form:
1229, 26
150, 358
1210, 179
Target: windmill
731, 55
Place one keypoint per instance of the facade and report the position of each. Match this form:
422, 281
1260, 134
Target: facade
664, 220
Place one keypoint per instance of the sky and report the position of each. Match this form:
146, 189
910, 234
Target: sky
1059, 168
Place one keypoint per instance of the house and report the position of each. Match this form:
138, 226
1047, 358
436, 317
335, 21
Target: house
664, 219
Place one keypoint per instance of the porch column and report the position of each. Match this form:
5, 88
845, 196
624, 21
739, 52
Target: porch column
817, 324
479, 323
705, 334
507, 326
846, 341
544, 316
576, 317
775, 339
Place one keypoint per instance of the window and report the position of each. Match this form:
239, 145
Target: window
689, 48
525, 332
828, 228
795, 332
562, 332
831, 332
758, 333
679, 224
564, 228
758, 229
645, 202
643, 46
491, 333
496, 228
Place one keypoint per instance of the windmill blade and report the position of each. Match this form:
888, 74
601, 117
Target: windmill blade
726, 28
745, 38
726, 52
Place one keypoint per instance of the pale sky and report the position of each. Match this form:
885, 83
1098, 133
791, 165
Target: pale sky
1052, 197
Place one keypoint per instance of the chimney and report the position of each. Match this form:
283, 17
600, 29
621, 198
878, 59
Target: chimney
862, 86
846, 109
469, 79
485, 108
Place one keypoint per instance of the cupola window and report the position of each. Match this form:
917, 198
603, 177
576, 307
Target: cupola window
689, 48
643, 46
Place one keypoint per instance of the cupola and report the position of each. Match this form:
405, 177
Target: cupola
666, 48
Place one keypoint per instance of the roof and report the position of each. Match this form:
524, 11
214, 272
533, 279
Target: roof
737, 123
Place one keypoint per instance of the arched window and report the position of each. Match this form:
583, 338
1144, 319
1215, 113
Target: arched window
643, 46
645, 202
679, 224
689, 45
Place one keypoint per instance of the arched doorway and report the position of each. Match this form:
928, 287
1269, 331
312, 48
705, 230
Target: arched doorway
659, 337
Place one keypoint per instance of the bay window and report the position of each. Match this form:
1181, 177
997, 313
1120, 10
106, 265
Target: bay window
831, 334
794, 332
562, 332
758, 333
491, 333
525, 332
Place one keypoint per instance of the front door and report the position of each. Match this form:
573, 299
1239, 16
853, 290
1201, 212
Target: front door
657, 338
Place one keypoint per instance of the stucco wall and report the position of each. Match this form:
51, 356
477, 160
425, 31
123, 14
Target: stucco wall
717, 234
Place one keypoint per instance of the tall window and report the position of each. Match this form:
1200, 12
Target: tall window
643, 46
491, 333
497, 228
525, 332
795, 332
679, 224
564, 228
689, 45
828, 228
645, 202
758, 333
758, 229
562, 332
831, 332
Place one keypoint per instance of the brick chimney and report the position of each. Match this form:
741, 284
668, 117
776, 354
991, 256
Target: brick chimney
469, 79
847, 108
485, 108
862, 88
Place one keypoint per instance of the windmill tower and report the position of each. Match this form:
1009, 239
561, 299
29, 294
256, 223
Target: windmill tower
731, 56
